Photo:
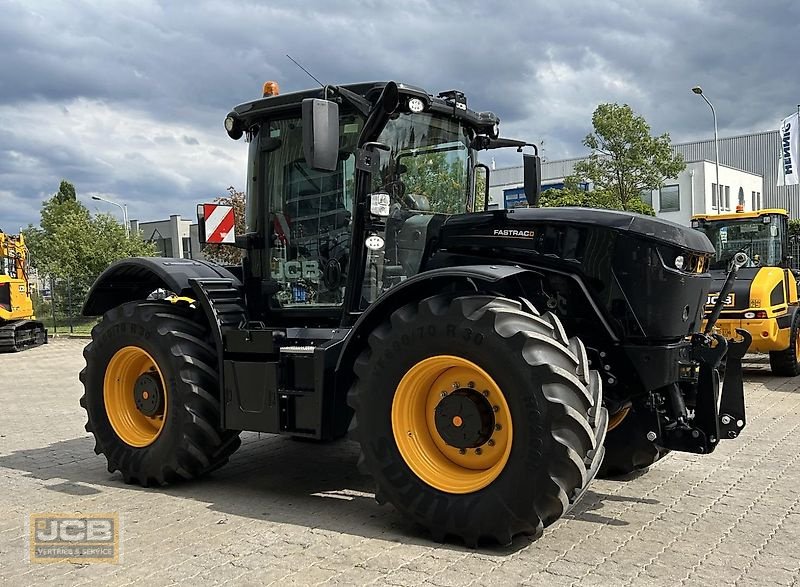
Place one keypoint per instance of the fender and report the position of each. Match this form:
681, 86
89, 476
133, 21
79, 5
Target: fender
417, 287
786, 320
137, 277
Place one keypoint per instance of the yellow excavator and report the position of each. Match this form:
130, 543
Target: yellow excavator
763, 300
18, 327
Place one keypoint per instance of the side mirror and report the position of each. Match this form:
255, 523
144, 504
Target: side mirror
532, 177
321, 133
216, 224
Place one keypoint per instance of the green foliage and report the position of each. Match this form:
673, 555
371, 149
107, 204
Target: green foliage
70, 247
66, 192
794, 227
480, 189
625, 160
227, 254
442, 181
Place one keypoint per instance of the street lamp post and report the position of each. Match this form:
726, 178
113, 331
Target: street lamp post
699, 91
123, 207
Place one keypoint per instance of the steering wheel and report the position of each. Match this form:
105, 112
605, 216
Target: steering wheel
397, 191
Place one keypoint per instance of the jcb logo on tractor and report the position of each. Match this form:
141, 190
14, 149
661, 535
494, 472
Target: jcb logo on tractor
712, 299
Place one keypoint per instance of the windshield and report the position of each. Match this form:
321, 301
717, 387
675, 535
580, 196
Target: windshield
427, 165
759, 238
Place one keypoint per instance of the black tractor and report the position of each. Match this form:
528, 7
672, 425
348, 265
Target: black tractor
489, 362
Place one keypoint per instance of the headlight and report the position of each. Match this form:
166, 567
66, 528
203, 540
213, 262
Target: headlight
416, 105
229, 122
679, 262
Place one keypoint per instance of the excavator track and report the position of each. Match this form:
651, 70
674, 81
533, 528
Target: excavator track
19, 335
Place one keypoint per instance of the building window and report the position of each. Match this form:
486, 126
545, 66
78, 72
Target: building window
647, 197
756, 200
187, 247
714, 203
164, 246
741, 197
670, 198
727, 197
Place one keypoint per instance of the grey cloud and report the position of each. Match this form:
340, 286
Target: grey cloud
541, 66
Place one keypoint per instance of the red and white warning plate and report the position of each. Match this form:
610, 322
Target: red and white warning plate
219, 224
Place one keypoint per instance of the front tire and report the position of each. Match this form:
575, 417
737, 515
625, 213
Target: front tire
786, 363
476, 417
151, 394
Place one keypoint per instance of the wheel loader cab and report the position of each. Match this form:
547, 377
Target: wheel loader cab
764, 298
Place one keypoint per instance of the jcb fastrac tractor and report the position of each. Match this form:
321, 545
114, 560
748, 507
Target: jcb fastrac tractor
763, 300
18, 327
479, 357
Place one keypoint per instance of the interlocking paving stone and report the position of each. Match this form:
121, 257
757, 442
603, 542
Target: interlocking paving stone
294, 513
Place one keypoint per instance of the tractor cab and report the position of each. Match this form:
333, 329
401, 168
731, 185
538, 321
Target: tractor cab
347, 186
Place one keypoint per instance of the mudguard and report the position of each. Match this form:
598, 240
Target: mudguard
137, 277
416, 288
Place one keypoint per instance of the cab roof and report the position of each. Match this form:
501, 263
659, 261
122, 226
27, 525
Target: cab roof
249, 112
740, 215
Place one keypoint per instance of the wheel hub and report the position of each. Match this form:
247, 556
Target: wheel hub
148, 395
135, 396
465, 419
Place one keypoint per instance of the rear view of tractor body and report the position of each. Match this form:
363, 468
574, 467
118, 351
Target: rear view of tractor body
18, 327
480, 358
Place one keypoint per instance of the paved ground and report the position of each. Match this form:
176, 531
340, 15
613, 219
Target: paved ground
300, 514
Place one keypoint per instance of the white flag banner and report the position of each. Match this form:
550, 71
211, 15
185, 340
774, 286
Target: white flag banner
789, 174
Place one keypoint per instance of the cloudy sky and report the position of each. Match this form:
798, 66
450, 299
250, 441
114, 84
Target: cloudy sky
126, 98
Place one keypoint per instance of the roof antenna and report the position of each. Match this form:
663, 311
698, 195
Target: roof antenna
305, 70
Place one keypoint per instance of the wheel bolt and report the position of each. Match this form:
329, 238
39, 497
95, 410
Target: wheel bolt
485, 393
444, 394
409, 433
462, 451
496, 408
478, 450
498, 427
456, 385
490, 442
471, 384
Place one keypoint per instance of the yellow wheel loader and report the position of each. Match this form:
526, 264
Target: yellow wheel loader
18, 327
764, 297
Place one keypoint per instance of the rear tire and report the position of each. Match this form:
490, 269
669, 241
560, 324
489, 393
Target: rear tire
553, 399
183, 439
627, 448
786, 363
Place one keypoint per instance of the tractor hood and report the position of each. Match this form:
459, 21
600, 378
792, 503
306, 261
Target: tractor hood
648, 274
522, 223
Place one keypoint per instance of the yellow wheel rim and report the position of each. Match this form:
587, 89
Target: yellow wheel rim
122, 373
797, 346
441, 465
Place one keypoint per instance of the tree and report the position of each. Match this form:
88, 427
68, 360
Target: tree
228, 254
66, 192
625, 161
441, 177
72, 247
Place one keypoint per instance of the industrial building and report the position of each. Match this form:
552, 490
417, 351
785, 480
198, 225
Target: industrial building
174, 237
746, 161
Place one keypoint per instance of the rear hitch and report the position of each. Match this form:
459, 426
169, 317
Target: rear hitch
718, 411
